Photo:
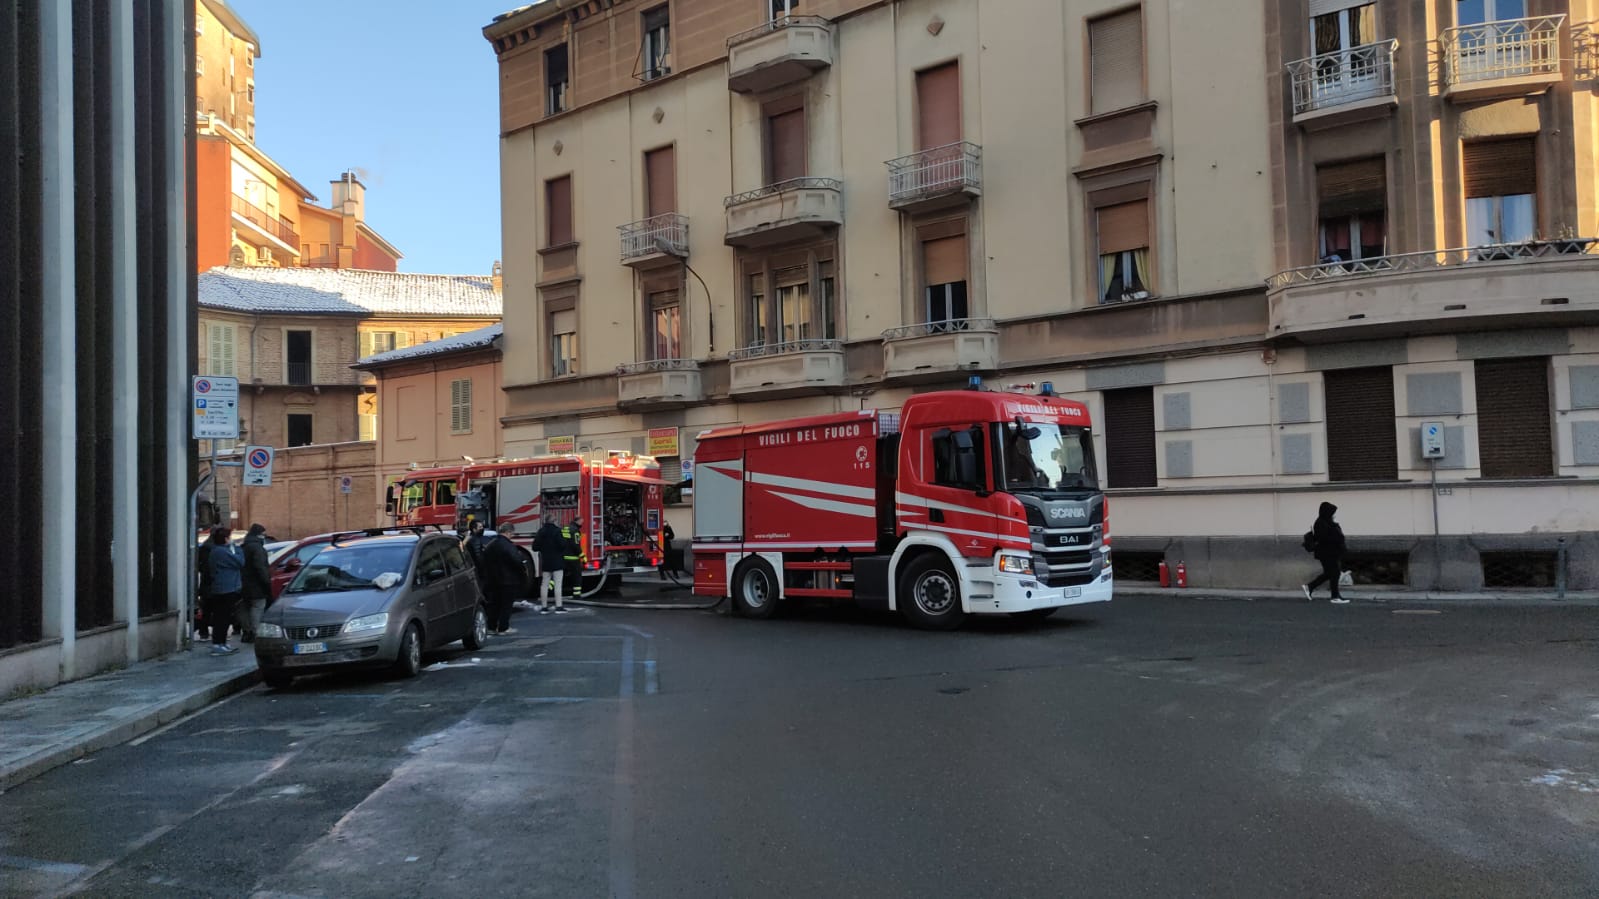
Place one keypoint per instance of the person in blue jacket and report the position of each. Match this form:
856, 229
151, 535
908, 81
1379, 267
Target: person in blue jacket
227, 588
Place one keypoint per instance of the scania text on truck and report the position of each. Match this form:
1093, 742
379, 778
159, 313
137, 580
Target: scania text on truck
618, 501
963, 502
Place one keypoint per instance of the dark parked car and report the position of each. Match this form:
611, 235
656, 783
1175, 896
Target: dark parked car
372, 599
286, 565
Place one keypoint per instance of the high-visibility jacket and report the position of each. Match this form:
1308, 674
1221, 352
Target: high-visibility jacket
574, 548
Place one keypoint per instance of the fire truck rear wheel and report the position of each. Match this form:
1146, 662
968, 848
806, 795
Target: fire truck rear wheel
930, 594
755, 589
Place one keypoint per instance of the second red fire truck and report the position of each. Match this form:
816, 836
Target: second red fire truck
963, 502
618, 501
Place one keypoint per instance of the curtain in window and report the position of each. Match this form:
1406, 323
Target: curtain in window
1107, 273
1141, 268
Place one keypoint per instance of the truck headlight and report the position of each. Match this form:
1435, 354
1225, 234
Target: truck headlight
367, 623
1016, 564
269, 631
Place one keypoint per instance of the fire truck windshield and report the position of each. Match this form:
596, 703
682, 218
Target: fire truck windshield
1046, 458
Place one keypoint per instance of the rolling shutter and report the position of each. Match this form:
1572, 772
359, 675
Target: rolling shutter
1124, 226
1361, 440
1116, 61
558, 211
1514, 437
1500, 168
944, 260
660, 176
785, 145
938, 106
1347, 188
1130, 438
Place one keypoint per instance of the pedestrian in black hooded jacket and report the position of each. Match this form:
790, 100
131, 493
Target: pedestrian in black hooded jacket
1327, 544
257, 582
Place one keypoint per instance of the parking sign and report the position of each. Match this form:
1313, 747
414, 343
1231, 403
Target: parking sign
216, 408
258, 466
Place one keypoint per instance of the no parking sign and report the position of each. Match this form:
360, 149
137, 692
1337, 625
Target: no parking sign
258, 466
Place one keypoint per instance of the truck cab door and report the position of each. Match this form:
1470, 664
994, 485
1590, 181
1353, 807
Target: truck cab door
955, 481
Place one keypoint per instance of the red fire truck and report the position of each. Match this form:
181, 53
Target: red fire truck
963, 502
618, 501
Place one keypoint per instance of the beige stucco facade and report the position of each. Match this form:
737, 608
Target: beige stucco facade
1240, 339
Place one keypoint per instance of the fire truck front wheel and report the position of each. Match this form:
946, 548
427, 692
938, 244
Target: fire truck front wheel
755, 589
930, 594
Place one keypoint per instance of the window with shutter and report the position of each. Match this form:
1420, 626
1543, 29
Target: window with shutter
558, 211
1352, 202
1122, 235
660, 182
1361, 440
1116, 61
1501, 187
221, 358
563, 342
938, 106
1130, 437
461, 406
1514, 426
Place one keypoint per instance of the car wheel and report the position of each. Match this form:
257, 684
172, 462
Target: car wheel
755, 589
277, 680
1034, 616
479, 634
930, 594
409, 664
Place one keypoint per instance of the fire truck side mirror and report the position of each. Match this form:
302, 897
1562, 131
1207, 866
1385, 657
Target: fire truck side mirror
388, 500
965, 459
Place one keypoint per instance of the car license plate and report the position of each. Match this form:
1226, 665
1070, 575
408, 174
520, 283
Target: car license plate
301, 649
1071, 593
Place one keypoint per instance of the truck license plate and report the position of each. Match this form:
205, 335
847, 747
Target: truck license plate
1072, 593
301, 649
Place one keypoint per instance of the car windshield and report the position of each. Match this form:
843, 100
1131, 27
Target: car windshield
1041, 457
358, 567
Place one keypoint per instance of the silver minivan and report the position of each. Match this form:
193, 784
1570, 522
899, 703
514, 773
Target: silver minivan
372, 599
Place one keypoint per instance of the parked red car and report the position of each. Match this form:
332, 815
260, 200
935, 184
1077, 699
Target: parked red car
287, 565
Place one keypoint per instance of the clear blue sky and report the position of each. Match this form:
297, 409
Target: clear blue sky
405, 93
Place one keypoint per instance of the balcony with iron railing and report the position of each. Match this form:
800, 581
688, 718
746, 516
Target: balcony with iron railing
266, 224
658, 383
1532, 282
788, 210
938, 349
784, 51
940, 176
795, 366
1335, 88
320, 374
653, 240
1501, 59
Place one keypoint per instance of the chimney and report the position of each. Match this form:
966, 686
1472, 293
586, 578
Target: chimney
349, 196
496, 276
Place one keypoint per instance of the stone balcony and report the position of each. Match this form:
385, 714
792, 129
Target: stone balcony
1531, 283
655, 240
1347, 86
936, 178
797, 209
1508, 58
782, 52
777, 369
935, 350
659, 383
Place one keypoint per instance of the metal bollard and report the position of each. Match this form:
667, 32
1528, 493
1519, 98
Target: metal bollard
1560, 569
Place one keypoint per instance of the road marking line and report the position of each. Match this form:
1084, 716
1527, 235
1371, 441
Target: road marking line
35, 864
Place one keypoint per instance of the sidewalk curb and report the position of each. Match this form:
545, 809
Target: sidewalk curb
142, 722
664, 606
1572, 600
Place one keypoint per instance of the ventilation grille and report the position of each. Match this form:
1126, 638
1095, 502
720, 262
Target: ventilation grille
1518, 569
1378, 569
1130, 566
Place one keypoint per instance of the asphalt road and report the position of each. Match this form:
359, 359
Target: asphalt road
1144, 748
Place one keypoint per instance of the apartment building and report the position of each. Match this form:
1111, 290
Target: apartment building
291, 336
1224, 226
225, 51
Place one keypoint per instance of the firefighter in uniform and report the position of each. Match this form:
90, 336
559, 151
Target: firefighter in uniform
575, 557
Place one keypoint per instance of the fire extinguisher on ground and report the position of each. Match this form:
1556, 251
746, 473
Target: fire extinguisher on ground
1165, 574
1182, 574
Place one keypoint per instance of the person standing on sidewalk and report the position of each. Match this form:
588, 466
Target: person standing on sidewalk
202, 563
572, 560
504, 578
550, 544
257, 582
227, 585
1326, 542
